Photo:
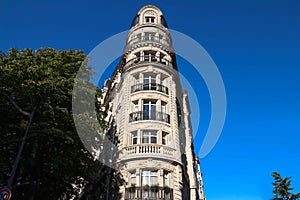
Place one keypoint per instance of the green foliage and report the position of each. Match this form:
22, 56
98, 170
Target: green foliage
54, 161
282, 188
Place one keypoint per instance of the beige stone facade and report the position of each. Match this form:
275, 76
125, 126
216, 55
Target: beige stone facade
152, 116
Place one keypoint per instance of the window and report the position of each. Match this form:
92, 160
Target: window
149, 36
149, 137
139, 36
132, 178
149, 56
149, 19
163, 107
135, 106
135, 109
163, 116
149, 110
149, 82
164, 138
134, 138
149, 177
161, 40
166, 178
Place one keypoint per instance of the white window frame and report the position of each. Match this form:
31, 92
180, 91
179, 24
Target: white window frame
149, 56
148, 176
165, 138
166, 178
163, 108
148, 135
134, 137
151, 79
132, 178
135, 106
151, 107
149, 19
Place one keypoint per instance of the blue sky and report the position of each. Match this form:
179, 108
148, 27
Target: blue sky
255, 45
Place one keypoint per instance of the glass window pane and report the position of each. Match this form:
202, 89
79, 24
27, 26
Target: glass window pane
134, 141
153, 80
145, 138
132, 178
153, 140
153, 180
163, 107
145, 180
164, 138
166, 178
146, 107
146, 80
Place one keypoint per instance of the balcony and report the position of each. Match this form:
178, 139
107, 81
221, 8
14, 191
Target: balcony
148, 59
149, 149
149, 115
149, 193
152, 86
149, 38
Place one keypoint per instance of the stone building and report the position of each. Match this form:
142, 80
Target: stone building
144, 97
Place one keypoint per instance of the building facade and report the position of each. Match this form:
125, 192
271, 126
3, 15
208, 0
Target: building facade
144, 97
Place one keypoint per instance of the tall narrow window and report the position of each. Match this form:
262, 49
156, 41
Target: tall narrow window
149, 82
135, 114
166, 178
163, 116
163, 107
135, 106
164, 138
132, 178
149, 110
134, 137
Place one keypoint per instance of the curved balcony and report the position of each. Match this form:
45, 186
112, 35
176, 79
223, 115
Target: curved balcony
149, 149
149, 193
148, 59
149, 115
152, 86
149, 39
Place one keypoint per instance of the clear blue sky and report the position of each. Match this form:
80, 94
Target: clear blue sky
255, 45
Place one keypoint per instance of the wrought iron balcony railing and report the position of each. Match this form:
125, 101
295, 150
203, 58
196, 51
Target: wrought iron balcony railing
148, 58
149, 115
149, 193
151, 86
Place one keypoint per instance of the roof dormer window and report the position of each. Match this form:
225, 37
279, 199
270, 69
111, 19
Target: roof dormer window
149, 19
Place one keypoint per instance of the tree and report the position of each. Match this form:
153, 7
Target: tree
54, 162
282, 188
